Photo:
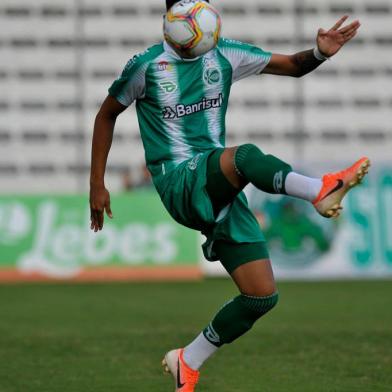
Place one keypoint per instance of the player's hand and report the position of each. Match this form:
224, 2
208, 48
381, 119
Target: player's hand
331, 41
99, 203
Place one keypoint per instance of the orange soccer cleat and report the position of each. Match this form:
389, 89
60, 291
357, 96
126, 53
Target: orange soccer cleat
336, 185
185, 378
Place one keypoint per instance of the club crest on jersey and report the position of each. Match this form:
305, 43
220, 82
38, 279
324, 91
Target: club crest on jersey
164, 66
212, 76
179, 111
168, 86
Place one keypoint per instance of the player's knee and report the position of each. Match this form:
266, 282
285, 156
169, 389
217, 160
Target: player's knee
275, 300
267, 290
249, 155
248, 147
245, 151
264, 289
249, 152
261, 305
245, 154
272, 301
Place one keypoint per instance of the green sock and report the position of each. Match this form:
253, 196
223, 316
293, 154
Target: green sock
266, 172
237, 317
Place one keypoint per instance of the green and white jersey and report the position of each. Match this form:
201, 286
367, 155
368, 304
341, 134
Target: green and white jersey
181, 104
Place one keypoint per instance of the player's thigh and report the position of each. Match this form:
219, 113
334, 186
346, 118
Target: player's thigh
255, 278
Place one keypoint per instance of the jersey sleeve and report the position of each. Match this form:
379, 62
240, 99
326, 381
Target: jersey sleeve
131, 84
246, 60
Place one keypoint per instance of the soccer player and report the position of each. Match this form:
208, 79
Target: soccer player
181, 111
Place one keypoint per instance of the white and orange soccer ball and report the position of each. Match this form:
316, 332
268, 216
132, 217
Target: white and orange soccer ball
192, 28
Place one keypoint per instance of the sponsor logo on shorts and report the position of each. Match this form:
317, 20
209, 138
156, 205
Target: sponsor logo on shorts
178, 111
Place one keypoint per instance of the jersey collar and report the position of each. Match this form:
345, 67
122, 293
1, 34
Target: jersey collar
173, 53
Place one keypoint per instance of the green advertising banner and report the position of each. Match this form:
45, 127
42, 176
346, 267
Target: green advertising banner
51, 235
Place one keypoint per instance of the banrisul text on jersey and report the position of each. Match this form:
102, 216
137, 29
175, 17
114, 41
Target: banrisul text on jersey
186, 110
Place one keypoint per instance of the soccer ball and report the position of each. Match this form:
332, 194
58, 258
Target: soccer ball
192, 28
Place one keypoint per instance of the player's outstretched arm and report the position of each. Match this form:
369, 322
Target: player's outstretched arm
102, 141
329, 42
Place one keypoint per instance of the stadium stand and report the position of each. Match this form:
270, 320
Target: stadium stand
57, 59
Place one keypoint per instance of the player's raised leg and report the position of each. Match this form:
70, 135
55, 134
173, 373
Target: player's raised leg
247, 163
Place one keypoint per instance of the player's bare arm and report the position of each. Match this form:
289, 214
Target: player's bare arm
102, 141
329, 42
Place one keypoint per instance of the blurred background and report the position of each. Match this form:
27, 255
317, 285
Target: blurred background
57, 60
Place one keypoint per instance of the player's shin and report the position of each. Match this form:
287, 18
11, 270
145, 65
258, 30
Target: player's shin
198, 351
233, 320
265, 172
269, 174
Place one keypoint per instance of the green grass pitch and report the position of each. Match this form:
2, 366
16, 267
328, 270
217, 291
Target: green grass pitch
323, 337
